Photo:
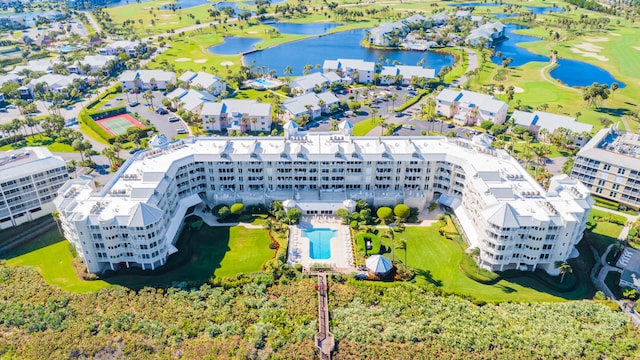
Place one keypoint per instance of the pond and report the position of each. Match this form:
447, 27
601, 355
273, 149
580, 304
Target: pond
228, 4
304, 29
578, 73
272, 2
510, 49
185, 4
234, 45
343, 45
570, 72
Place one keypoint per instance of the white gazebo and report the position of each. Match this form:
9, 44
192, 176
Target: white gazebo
350, 205
379, 265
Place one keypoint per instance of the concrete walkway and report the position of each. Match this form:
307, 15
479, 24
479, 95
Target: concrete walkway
472, 64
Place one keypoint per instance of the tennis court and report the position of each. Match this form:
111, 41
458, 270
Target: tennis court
118, 125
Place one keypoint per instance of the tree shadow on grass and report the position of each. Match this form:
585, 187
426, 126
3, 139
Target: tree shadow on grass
36, 235
614, 111
200, 253
426, 274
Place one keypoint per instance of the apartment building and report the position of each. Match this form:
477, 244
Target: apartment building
135, 219
351, 70
470, 108
29, 180
609, 166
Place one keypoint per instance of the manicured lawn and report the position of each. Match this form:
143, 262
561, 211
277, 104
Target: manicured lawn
51, 255
40, 140
205, 253
604, 233
363, 127
436, 260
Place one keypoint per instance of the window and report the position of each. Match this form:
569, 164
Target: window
613, 194
621, 171
601, 182
599, 190
615, 186
607, 167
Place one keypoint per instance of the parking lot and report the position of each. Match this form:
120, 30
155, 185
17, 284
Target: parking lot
160, 121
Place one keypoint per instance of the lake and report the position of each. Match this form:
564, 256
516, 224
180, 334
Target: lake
234, 45
510, 49
578, 73
343, 45
181, 4
570, 72
304, 29
227, 4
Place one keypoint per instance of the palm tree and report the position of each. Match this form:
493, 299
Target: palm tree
564, 268
56, 217
402, 245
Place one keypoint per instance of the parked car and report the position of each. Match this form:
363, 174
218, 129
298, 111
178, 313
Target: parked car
133, 151
134, 103
173, 119
450, 126
181, 131
162, 111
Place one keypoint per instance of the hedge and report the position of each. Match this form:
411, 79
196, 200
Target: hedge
11, 139
101, 114
412, 101
85, 119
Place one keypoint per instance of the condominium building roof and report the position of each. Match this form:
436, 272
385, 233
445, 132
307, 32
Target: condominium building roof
22, 162
550, 122
250, 107
482, 101
614, 146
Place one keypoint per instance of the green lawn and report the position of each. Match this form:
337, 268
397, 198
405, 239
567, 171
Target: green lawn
210, 251
39, 140
363, 127
436, 260
604, 233
51, 255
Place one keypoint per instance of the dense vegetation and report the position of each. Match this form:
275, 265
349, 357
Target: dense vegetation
274, 316
406, 321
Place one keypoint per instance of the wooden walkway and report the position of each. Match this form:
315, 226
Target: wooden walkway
325, 342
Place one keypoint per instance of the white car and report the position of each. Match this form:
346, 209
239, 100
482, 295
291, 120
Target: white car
181, 131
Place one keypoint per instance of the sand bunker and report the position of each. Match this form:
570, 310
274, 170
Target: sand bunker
589, 47
166, 16
252, 32
182, 59
200, 61
614, 34
600, 39
226, 63
516, 89
589, 54
637, 48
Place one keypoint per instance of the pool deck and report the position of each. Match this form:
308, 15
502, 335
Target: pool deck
341, 245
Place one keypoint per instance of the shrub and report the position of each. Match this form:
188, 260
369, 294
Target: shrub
384, 213
237, 208
223, 212
402, 211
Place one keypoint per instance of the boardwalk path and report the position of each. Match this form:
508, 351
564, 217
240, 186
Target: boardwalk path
324, 338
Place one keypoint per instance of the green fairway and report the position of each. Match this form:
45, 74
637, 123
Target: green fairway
436, 260
210, 251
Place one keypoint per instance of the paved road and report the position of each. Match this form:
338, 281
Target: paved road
472, 64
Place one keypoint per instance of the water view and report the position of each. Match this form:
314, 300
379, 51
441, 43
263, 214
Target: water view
339, 45
578, 73
570, 72
234, 45
304, 29
272, 2
181, 4
227, 4
509, 48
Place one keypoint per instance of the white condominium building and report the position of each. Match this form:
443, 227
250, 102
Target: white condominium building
29, 181
135, 219
351, 70
470, 108
609, 165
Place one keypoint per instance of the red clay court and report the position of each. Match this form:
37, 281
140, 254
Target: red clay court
118, 125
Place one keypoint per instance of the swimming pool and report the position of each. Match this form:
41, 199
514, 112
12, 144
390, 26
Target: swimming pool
319, 242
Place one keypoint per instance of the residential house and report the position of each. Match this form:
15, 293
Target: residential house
314, 82
41, 65
204, 81
95, 62
53, 82
147, 79
311, 103
116, 47
383, 34
389, 74
540, 122
190, 100
244, 115
463, 14
489, 32
470, 108
351, 70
